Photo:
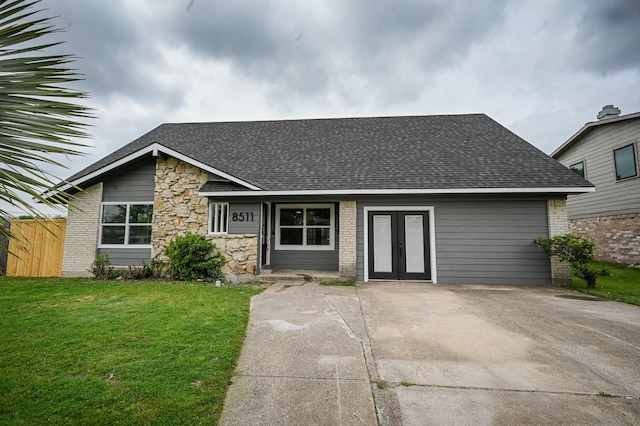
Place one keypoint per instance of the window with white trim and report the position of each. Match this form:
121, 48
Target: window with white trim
218, 218
126, 224
305, 227
625, 162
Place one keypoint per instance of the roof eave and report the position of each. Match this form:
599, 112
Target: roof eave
426, 191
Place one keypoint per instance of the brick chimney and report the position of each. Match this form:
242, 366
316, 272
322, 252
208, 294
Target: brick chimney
608, 111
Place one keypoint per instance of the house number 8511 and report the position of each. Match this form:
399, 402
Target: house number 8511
242, 217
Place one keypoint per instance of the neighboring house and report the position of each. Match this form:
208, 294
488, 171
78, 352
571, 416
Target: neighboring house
447, 199
605, 152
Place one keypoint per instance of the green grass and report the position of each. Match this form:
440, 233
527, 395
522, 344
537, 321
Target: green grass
622, 285
77, 351
344, 283
382, 384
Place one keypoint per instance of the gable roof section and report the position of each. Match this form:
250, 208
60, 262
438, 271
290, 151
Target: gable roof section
587, 128
121, 158
416, 154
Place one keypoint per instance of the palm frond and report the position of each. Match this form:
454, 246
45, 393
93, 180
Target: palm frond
38, 117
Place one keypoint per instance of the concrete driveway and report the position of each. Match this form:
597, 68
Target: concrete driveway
419, 354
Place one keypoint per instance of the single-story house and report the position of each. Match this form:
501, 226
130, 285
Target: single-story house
446, 199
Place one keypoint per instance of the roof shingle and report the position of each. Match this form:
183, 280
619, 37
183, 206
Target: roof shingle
415, 152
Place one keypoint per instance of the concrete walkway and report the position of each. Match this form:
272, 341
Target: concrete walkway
416, 354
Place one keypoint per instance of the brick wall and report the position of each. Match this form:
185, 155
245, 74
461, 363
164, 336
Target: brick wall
617, 237
558, 225
81, 239
347, 245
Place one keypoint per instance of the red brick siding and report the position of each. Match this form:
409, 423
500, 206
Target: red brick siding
617, 237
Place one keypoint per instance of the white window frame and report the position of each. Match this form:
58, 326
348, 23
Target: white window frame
304, 246
634, 150
218, 224
127, 225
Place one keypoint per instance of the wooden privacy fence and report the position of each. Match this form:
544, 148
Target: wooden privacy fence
38, 251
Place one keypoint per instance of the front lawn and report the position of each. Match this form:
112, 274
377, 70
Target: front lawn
623, 284
79, 351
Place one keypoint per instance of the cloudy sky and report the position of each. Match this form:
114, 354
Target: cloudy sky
541, 68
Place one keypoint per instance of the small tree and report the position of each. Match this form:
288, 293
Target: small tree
578, 251
193, 257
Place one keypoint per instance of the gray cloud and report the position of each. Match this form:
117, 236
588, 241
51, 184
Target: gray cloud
608, 36
517, 61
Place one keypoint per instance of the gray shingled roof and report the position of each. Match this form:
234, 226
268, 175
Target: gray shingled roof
417, 152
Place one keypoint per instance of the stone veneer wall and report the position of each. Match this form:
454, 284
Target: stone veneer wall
617, 237
241, 252
347, 246
81, 240
558, 225
178, 209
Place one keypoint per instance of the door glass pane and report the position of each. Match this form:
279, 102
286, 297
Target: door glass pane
382, 257
414, 241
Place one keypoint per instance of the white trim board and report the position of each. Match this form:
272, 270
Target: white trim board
432, 235
428, 191
153, 149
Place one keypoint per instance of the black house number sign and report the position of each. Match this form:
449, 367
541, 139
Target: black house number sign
242, 217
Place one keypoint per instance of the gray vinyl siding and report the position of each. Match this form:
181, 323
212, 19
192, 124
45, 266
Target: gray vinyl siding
134, 183
121, 257
305, 259
244, 226
612, 197
481, 241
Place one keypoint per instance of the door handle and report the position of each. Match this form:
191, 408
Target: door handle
401, 247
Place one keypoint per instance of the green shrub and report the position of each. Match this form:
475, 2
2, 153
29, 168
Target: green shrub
154, 269
193, 257
102, 268
578, 251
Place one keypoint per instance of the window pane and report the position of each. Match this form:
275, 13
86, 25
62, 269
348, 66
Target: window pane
625, 160
114, 213
382, 244
140, 213
319, 217
113, 235
219, 214
414, 239
222, 226
291, 217
318, 236
578, 168
291, 236
140, 234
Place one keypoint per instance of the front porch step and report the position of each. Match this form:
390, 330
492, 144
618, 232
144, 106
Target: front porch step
297, 275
